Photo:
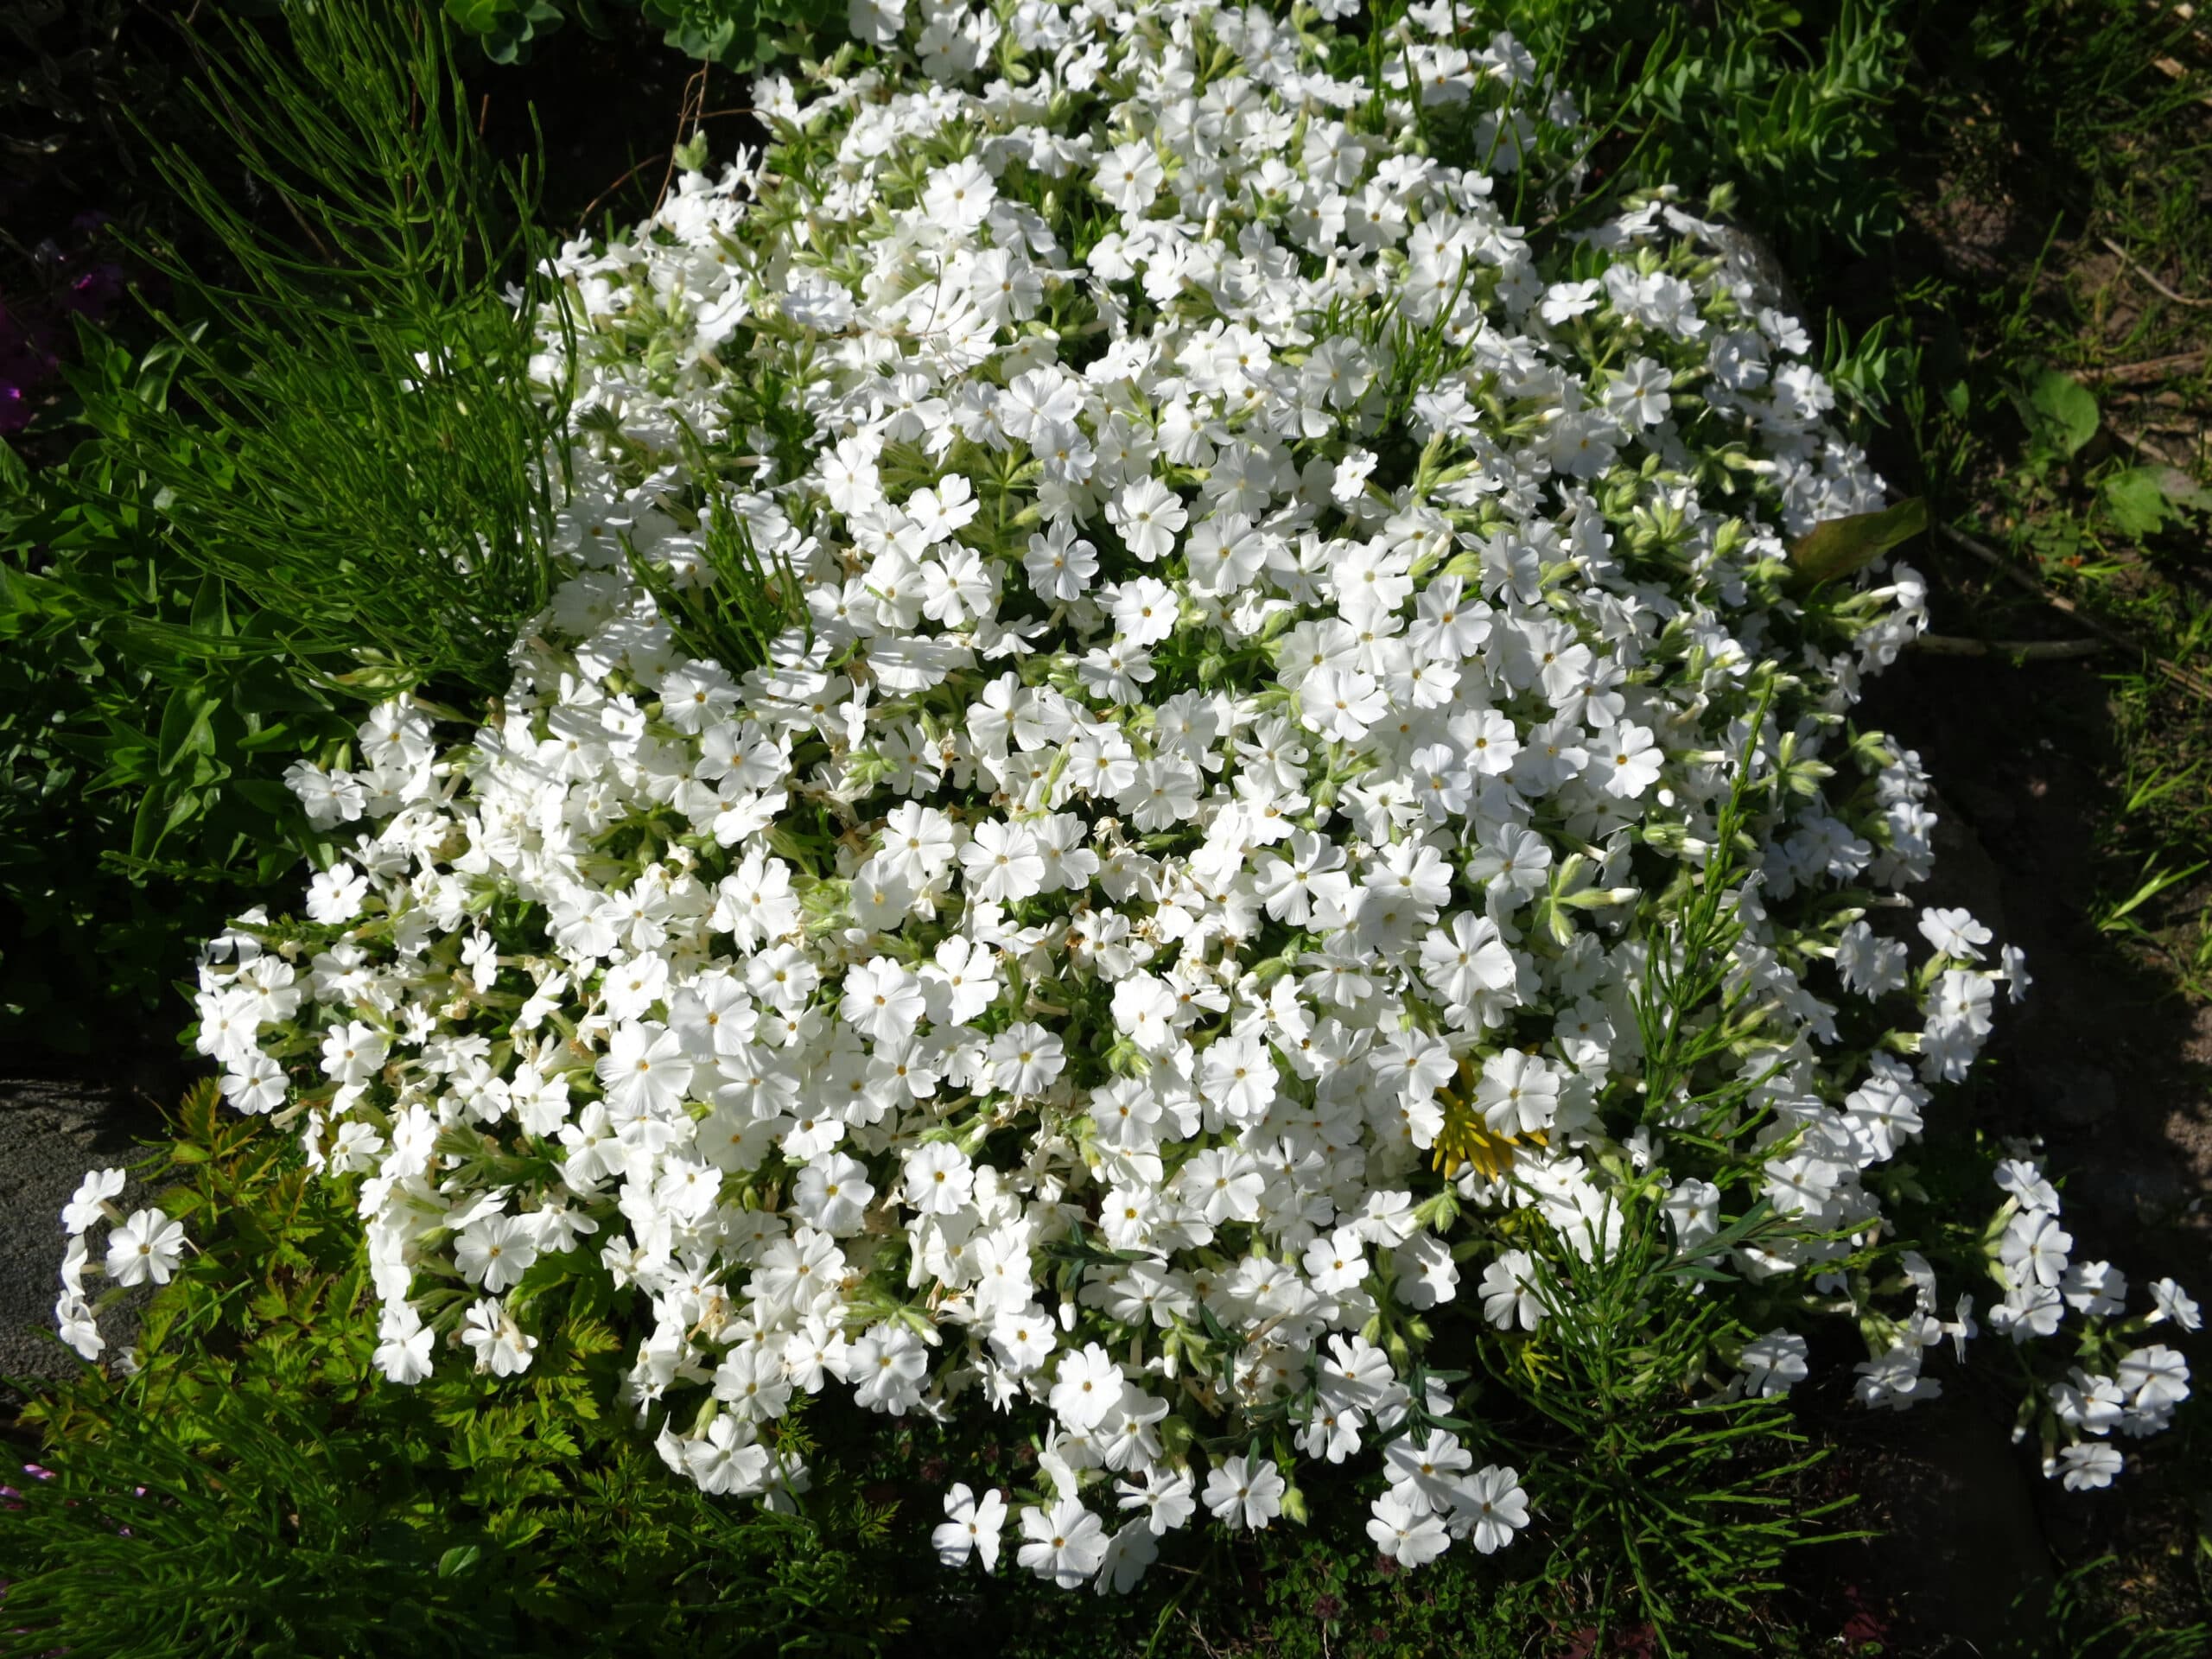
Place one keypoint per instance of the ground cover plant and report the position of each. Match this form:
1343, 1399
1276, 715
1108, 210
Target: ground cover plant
765, 1185
1503, 1399
123, 618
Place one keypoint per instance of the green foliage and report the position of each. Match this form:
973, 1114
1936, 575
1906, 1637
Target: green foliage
2061, 412
351, 436
743, 33
321, 485
2145, 500
507, 29
149, 692
2055, 285
1683, 1510
294, 1503
2080, 1624
1785, 104
740, 35
291, 1494
138, 794
732, 618
2063, 148
1677, 1499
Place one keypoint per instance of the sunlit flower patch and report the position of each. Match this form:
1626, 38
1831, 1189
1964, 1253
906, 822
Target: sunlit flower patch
1289, 689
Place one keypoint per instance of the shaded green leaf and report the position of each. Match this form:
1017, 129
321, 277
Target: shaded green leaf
2142, 499
1832, 551
2063, 411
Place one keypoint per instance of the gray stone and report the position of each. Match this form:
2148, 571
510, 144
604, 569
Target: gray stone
52, 1130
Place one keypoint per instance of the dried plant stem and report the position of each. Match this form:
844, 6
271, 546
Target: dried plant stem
2004, 566
2026, 651
2151, 282
2132, 374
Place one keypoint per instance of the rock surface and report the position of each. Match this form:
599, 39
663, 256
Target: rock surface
53, 1129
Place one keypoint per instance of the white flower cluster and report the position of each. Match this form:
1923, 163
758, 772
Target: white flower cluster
143, 1248
1278, 647
2041, 1284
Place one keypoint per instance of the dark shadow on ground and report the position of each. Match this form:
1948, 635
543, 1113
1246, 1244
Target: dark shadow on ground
2112, 1070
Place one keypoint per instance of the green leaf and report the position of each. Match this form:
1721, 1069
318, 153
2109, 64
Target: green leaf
185, 728
189, 805
2142, 498
480, 16
511, 42
1835, 549
2063, 411
23, 596
146, 826
691, 156
210, 615
458, 1560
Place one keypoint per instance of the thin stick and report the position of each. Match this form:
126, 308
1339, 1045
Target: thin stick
2025, 650
1199, 1635
584, 219
2142, 445
2135, 374
694, 98
2004, 566
2136, 265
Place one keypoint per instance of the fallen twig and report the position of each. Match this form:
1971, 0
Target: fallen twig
2156, 286
2025, 650
2035, 585
2142, 444
2133, 374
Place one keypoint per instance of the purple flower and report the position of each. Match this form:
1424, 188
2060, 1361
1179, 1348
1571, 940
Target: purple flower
93, 293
